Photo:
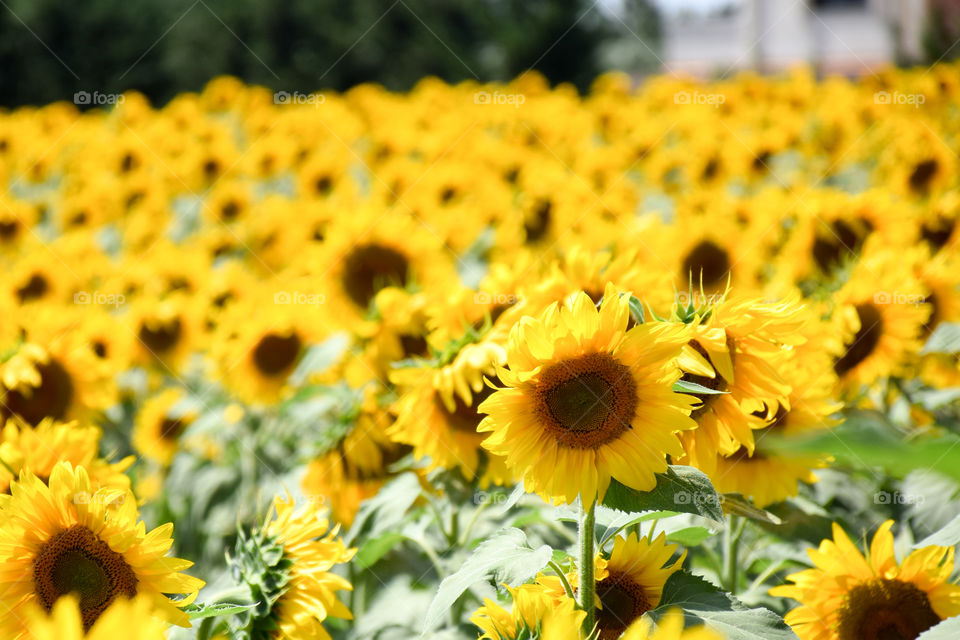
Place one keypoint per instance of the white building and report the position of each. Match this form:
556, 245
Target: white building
711, 37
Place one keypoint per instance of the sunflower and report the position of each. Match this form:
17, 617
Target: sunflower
312, 548
849, 596
670, 627
880, 315
737, 348
399, 330
53, 373
534, 615
357, 466
159, 425
629, 582
167, 330
66, 538
39, 448
437, 412
260, 341
125, 618
586, 400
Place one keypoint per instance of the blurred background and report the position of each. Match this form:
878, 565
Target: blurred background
50, 49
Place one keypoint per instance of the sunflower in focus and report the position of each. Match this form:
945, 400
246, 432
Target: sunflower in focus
131, 619
849, 596
312, 549
69, 538
534, 615
586, 400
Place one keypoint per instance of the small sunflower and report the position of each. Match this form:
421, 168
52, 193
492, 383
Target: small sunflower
312, 549
849, 596
586, 400
39, 448
66, 538
160, 424
130, 619
670, 627
534, 615
437, 412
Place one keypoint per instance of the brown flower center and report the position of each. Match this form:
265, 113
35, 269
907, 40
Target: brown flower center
77, 561
708, 261
465, 417
51, 399
587, 401
274, 355
369, 268
864, 342
35, 288
622, 600
885, 610
162, 337
922, 175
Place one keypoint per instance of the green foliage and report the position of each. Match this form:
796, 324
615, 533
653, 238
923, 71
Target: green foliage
50, 49
681, 488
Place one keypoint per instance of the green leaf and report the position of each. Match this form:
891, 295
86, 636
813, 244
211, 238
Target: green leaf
945, 537
636, 309
505, 557
372, 550
681, 488
738, 505
385, 510
949, 629
945, 339
703, 603
689, 536
684, 386
201, 611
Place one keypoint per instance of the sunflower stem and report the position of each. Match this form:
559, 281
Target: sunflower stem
731, 547
587, 586
563, 579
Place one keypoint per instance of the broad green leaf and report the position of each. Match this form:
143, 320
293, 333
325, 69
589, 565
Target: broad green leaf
689, 536
506, 558
703, 603
681, 488
385, 510
201, 611
373, 549
945, 339
945, 537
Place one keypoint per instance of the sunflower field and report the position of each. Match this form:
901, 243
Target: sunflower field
668, 362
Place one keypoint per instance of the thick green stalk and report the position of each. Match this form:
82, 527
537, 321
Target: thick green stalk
587, 586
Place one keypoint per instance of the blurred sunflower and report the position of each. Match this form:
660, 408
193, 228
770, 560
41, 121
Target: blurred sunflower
534, 615
586, 400
131, 619
847, 596
670, 627
159, 425
38, 449
437, 412
68, 538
